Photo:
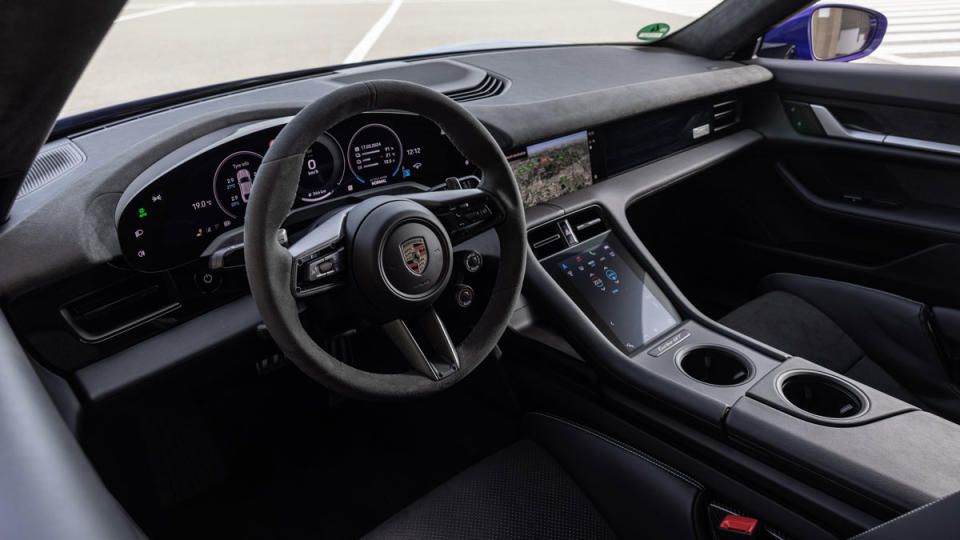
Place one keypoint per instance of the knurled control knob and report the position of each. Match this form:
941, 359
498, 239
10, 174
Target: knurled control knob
464, 295
473, 261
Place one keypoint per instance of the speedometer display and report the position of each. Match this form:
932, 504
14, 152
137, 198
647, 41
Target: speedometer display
322, 171
376, 154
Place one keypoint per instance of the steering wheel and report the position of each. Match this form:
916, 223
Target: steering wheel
395, 253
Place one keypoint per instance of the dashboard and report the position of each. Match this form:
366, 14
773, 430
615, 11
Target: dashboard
169, 220
190, 167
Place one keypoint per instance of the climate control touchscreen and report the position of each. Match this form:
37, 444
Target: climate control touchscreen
614, 291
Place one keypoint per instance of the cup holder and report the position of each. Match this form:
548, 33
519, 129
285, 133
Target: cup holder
821, 394
716, 366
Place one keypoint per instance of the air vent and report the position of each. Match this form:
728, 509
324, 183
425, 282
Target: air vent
546, 240
110, 311
50, 164
587, 223
725, 114
490, 86
558, 235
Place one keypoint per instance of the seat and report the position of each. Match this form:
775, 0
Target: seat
562, 481
880, 339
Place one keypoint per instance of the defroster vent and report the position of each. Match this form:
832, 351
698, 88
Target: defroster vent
490, 86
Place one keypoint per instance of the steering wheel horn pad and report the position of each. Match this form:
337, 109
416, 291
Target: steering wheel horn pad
400, 255
382, 237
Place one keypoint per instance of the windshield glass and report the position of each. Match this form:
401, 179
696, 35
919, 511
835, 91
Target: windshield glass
161, 46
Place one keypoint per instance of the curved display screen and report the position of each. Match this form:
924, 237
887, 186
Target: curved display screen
547, 170
172, 220
614, 291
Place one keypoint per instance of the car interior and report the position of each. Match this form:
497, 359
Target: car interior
670, 290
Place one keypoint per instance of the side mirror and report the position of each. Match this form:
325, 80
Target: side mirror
834, 33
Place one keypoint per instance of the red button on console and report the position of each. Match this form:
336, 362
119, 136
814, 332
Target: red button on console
741, 524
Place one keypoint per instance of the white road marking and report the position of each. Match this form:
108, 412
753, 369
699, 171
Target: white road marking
929, 27
373, 34
919, 32
310, 3
156, 11
896, 37
895, 21
689, 8
916, 48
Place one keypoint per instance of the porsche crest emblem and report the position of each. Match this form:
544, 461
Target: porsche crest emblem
414, 252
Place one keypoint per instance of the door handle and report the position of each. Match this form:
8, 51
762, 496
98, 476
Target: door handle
833, 128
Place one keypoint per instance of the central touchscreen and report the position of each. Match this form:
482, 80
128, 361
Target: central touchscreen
615, 292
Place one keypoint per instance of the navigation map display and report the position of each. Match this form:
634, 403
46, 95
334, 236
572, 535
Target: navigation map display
553, 168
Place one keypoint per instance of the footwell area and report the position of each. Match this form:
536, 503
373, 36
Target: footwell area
245, 456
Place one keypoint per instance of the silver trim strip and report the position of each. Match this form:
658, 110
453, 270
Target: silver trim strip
921, 144
833, 128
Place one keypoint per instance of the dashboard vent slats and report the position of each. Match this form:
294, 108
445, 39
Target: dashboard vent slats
490, 86
587, 223
725, 114
110, 311
550, 239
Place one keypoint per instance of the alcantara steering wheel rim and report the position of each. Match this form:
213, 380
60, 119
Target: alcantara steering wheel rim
269, 263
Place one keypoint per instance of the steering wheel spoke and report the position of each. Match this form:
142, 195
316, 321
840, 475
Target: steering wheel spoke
465, 213
424, 341
318, 259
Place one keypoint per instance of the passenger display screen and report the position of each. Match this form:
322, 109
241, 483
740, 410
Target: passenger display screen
553, 168
625, 304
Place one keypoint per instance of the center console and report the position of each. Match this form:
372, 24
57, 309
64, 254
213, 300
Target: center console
597, 279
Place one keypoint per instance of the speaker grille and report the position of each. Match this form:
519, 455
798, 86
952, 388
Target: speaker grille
51, 163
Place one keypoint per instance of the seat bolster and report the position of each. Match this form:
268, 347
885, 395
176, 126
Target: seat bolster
639, 496
928, 522
892, 330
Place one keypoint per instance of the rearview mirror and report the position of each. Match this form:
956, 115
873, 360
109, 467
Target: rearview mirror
835, 33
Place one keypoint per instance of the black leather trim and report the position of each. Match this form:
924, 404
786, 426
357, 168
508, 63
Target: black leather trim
931, 521
893, 331
638, 495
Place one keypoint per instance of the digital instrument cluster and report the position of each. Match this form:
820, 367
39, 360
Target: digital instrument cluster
173, 218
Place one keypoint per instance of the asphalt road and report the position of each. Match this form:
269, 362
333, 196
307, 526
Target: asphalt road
160, 46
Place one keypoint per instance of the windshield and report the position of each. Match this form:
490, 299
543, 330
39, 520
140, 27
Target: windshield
156, 47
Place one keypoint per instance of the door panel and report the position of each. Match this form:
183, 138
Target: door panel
859, 210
